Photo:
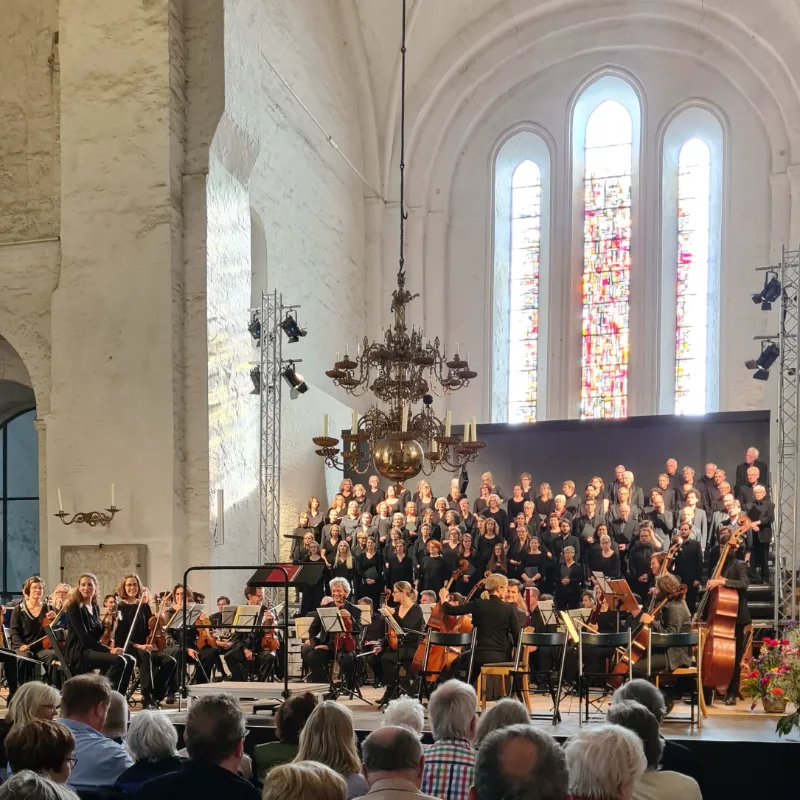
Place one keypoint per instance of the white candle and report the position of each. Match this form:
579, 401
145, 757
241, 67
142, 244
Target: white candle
424, 342
354, 426
467, 426
346, 349
456, 351
60, 503
113, 496
447, 419
405, 418
474, 429
434, 446
325, 425
358, 349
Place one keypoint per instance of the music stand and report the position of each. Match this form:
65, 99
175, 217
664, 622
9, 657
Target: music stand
616, 591
176, 624
547, 611
332, 623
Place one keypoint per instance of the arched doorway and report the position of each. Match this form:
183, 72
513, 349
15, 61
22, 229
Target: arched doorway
19, 474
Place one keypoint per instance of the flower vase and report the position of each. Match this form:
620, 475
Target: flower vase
774, 705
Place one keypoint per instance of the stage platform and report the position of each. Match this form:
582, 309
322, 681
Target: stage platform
245, 691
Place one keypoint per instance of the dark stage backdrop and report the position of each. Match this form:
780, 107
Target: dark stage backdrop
578, 449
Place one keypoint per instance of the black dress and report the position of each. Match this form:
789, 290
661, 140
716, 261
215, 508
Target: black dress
610, 566
313, 594
569, 596
371, 569
412, 622
515, 507
434, 574
398, 571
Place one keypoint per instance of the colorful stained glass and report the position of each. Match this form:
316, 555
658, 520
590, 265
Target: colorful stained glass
607, 261
526, 210
691, 320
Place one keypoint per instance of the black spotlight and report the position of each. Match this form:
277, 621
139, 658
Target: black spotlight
255, 376
295, 380
770, 293
292, 329
255, 326
761, 365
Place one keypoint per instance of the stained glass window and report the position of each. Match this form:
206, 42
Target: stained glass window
694, 212
526, 229
607, 261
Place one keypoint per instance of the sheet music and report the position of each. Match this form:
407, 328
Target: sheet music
426, 611
602, 582
331, 619
569, 626
547, 612
391, 621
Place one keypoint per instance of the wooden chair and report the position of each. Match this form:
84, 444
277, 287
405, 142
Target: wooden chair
695, 640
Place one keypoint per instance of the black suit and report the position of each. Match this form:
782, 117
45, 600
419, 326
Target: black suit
318, 661
764, 513
763, 473
497, 627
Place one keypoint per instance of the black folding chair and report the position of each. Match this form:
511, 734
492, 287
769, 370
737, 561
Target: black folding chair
57, 639
433, 639
587, 641
521, 678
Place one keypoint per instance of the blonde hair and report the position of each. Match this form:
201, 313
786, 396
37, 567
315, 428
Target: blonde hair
75, 595
348, 559
28, 699
406, 588
493, 583
304, 780
328, 737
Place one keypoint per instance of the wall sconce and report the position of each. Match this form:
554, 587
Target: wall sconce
91, 518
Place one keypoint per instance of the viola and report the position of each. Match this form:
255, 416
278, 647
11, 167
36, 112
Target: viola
345, 642
155, 625
49, 618
205, 638
270, 641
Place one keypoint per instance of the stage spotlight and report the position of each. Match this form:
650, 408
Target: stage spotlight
295, 380
770, 293
761, 365
292, 329
255, 376
255, 326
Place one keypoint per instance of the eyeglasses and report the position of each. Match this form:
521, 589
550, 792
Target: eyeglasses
73, 760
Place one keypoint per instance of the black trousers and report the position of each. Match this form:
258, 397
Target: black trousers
118, 669
759, 560
733, 686
392, 659
242, 669
691, 598
318, 663
203, 664
155, 673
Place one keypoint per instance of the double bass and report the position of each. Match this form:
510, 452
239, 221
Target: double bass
719, 647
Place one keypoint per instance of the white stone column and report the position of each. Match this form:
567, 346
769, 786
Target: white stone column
794, 222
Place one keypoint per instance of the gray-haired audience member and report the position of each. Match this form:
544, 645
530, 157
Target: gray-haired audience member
450, 761
392, 764
27, 785
215, 731
116, 724
654, 784
152, 742
605, 763
676, 757
520, 762
503, 713
407, 712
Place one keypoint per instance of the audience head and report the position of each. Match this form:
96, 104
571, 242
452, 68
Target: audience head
33, 701
41, 746
392, 752
86, 699
502, 714
520, 761
27, 785
328, 737
304, 780
405, 712
118, 715
452, 711
215, 731
604, 762
292, 715
635, 717
151, 737
644, 692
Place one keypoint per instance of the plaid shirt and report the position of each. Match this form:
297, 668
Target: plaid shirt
449, 769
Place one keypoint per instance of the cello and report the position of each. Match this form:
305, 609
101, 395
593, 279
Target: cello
719, 647
437, 622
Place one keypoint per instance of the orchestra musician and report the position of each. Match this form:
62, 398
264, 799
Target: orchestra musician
132, 628
246, 656
496, 623
27, 633
734, 575
59, 596
84, 652
321, 647
408, 616
688, 563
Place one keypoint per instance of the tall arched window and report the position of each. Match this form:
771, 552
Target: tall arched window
691, 318
608, 169
526, 233
521, 257
691, 235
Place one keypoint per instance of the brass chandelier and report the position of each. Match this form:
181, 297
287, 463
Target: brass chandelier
400, 371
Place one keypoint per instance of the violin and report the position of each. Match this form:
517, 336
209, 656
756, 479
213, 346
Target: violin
345, 642
205, 637
155, 625
270, 640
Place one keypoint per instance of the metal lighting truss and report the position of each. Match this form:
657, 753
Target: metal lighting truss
269, 483
788, 419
